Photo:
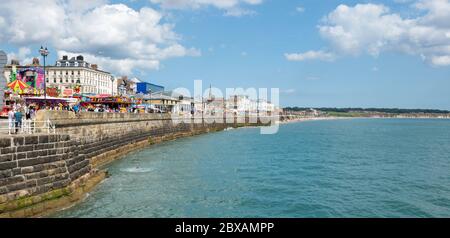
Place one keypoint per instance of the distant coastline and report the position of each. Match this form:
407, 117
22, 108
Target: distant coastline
302, 114
293, 119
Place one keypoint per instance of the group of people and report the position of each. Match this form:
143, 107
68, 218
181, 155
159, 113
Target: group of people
15, 116
28, 111
91, 108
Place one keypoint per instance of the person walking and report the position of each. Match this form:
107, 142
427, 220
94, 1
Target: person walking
32, 113
27, 113
76, 108
11, 120
18, 117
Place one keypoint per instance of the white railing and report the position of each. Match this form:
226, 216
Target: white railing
26, 127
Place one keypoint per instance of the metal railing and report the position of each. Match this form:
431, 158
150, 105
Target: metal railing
27, 127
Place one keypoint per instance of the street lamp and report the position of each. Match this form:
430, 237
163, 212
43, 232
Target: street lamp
44, 53
112, 85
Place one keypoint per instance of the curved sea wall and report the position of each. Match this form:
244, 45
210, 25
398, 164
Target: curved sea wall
37, 170
45, 172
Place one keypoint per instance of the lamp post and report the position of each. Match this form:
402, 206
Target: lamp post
44, 53
151, 101
112, 85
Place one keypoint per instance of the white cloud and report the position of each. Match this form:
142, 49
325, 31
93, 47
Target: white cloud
365, 28
441, 60
238, 12
120, 65
373, 29
22, 55
300, 9
231, 7
115, 36
438, 12
311, 55
23, 24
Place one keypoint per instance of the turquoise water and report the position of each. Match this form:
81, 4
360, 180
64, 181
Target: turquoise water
339, 168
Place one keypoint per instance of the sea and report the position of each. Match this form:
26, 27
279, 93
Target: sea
333, 168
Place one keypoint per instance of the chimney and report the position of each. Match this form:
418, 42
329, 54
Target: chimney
35, 62
15, 62
94, 66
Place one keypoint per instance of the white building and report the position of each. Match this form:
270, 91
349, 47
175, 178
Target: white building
135, 81
265, 106
73, 72
241, 104
185, 105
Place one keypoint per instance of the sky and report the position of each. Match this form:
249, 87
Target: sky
319, 53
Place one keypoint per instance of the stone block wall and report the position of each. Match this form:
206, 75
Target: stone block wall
37, 164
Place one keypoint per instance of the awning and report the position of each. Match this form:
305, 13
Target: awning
42, 98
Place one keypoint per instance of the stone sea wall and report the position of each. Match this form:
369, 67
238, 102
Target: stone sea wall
35, 169
41, 173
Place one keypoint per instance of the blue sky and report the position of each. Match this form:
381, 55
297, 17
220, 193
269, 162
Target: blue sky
399, 56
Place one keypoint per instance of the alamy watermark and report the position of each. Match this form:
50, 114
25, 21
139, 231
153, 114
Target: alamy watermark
237, 106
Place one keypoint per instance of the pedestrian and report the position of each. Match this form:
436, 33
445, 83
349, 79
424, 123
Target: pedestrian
27, 113
11, 119
75, 109
32, 113
18, 117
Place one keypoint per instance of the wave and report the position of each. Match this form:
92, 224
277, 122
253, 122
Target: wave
137, 170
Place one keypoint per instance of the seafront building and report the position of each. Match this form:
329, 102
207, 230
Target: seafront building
146, 88
185, 106
76, 72
162, 101
264, 106
74, 76
68, 76
125, 86
241, 104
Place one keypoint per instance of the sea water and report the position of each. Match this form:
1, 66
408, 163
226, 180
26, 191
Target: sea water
334, 168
